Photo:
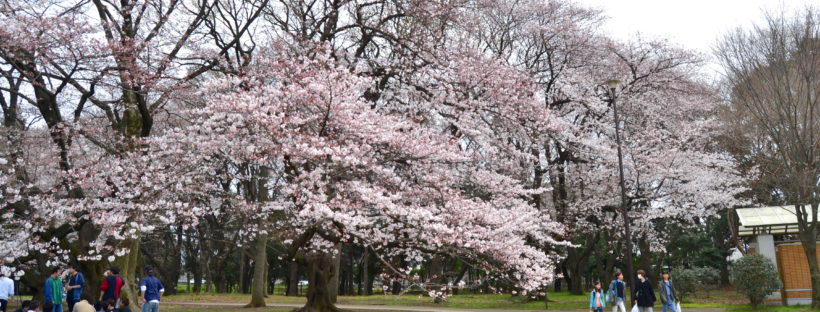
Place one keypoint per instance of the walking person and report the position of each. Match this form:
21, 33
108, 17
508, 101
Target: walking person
53, 291
597, 303
151, 290
644, 295
616, 293
111, 287
668, 295
6, 291
76, 285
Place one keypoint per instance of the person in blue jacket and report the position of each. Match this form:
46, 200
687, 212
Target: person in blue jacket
597, 299
616, 293
76, 284
151, 289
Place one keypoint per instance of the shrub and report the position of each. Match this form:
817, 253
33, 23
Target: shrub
708, 278
686, 281
755, 277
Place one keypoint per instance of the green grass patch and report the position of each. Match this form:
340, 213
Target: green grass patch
558, 301
716, 299
747, 307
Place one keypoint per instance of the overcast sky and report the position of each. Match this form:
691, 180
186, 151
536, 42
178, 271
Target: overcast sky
695, 24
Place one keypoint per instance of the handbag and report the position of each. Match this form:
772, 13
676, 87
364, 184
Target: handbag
635, 308
677, 307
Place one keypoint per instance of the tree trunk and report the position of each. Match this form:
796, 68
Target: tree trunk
220, 281
342, 281
268, 284
809, 242
458, 279
293, 279
320, 272
368, 284
395, 288
577, 259
348, 277
334, 278
93, 274
128, 271
244, 284
209, 276
364, 277
599, 265
359, 279
646, 259
609, 268
577, 286
259, 277
197, 278
566, 278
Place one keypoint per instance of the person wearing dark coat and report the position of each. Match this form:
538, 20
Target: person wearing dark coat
644, 295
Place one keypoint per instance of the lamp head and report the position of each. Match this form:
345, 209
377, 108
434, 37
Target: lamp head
612, 83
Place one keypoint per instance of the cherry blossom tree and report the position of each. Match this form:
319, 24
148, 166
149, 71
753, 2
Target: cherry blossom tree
674, 170
471, 130
338, 170
111, 67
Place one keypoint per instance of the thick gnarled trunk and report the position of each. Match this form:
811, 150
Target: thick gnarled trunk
128, 271
321, 270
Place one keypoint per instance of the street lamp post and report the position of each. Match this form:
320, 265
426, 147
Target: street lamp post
611, 85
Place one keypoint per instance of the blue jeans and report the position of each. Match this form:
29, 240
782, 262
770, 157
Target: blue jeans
150, 307
669, 307
598, 309
58, 308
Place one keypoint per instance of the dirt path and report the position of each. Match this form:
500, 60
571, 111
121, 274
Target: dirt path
389, 308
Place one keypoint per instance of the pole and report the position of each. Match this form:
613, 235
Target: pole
627, 233
546, 298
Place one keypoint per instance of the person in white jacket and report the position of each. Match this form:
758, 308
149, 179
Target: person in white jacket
6, 291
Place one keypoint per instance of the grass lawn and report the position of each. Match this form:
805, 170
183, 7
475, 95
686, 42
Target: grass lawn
746, 307
558, 301
722, 298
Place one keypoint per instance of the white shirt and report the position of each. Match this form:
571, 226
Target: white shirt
143, 289
6, 288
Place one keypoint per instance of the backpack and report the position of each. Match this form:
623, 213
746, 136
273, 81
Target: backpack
613, 292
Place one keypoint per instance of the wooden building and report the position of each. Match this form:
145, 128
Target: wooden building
772, 232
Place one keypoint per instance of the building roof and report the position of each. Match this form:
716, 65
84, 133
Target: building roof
769, 220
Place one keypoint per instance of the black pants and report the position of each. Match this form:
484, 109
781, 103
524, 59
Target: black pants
71, 303
3, 304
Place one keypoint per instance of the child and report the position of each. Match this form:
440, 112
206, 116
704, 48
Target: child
24, 306
124, 305
110, 305
597, 302
33, 306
